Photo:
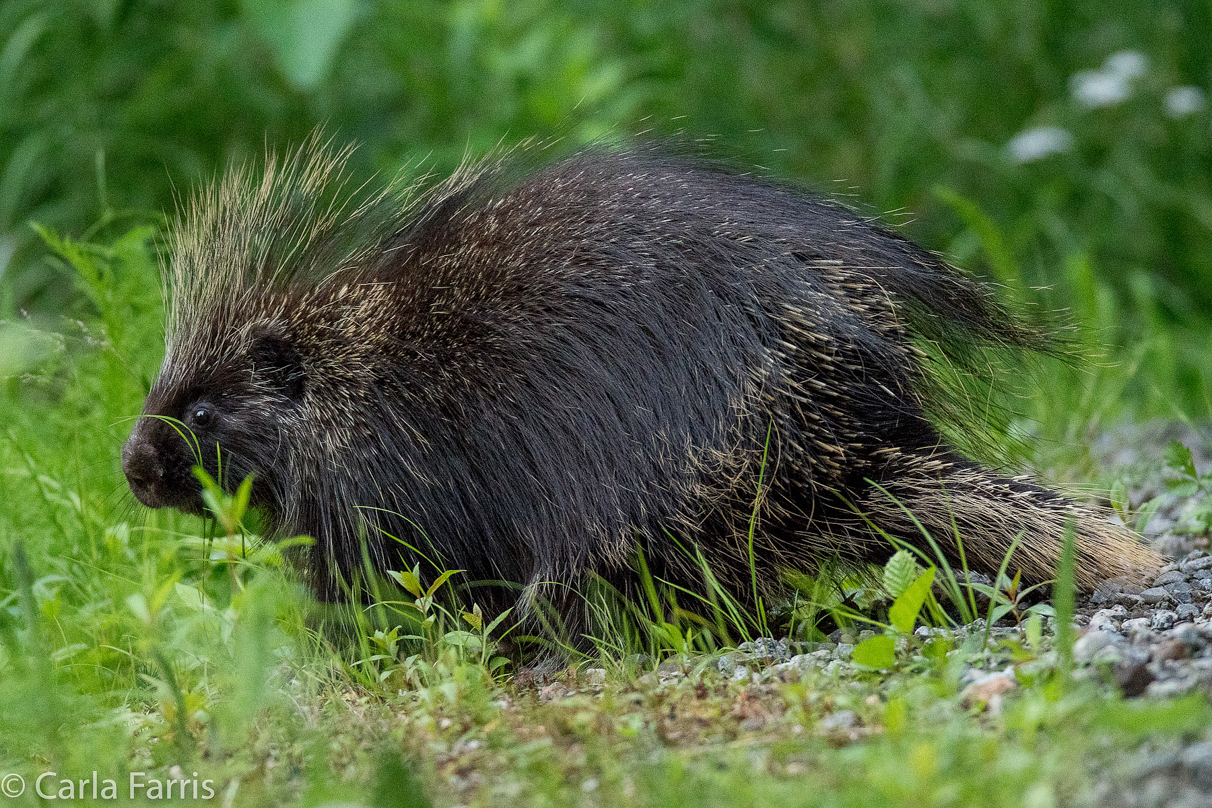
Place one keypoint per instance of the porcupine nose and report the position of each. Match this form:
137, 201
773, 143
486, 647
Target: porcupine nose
143, 470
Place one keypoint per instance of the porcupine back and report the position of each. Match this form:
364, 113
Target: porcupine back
530, 375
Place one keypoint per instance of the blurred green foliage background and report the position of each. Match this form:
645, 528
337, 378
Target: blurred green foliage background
1059, 143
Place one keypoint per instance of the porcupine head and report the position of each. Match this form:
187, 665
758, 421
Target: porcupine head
275, 325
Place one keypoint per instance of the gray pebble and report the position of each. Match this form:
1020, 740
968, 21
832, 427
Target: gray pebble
1155, 595
1133, 677
1194, 563
814, 659
1197, 759
1139, 626
1091, 643
1157, 762
1170, 577
595, 677
766, 648
1111, 654
809, 647
1188, 611
1168, 651
1162, 620
1168, 624
1108, 619
1169, 688
671, 669
839, 668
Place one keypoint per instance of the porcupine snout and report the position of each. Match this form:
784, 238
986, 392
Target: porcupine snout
159, 467
143, 469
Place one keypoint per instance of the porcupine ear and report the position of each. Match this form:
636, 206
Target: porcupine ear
277, 363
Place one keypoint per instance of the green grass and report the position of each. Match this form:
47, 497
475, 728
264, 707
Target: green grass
136, 641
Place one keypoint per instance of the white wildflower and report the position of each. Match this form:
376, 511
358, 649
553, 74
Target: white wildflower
1128, 64
1097, 88
1183, 101
1111, 84
1039, 142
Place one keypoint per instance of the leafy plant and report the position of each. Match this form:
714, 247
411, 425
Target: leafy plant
1189, 483
439, 623
911, 590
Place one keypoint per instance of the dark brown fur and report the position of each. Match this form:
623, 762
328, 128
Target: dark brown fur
529, 378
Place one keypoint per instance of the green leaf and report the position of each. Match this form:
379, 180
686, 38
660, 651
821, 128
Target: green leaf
1145, 514
1035, 630
138, 604
497, 621
443, 578
212, 503
397, 784
986, 590
408, 580
908, 604
899, 572
240, 503
937, 649
23, 348
1179, 458
160, 596
875, 652
463, 639
1183, 488
1012, 592
208, 482
1000, 611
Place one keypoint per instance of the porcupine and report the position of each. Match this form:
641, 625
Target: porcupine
531, 375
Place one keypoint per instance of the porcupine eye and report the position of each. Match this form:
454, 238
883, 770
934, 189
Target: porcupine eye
200, 415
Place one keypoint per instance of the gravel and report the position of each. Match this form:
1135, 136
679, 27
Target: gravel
1156, 640
1161, 631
